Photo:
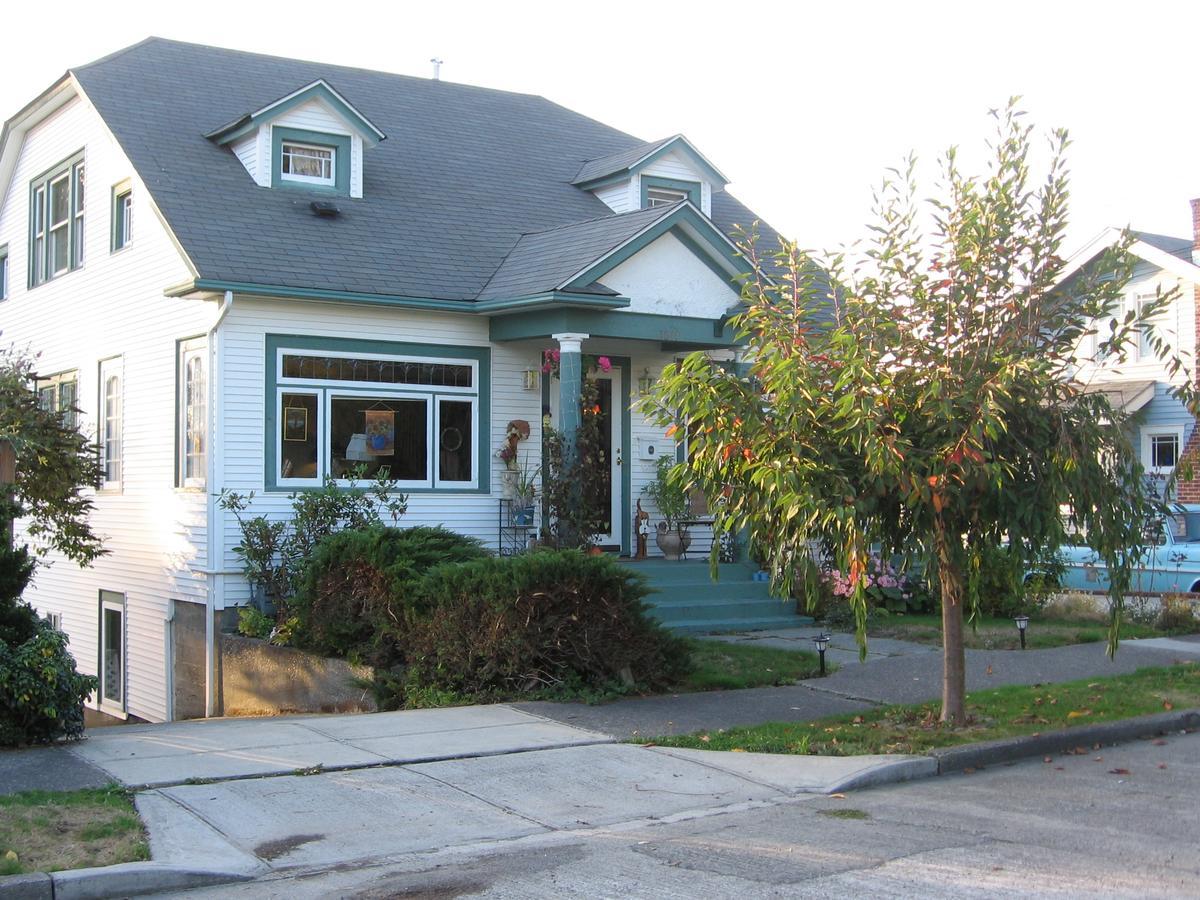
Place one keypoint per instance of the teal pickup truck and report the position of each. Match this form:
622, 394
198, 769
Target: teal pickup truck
1170, 564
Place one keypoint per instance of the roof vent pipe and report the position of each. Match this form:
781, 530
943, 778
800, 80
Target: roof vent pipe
437, 68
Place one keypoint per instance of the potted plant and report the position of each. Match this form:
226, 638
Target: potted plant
673, 504
525, 493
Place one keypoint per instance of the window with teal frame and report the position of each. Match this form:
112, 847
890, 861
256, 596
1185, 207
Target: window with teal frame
56, 214
4, 272
122, 216
310, 160
657, 191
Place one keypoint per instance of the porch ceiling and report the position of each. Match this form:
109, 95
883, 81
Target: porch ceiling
670, 332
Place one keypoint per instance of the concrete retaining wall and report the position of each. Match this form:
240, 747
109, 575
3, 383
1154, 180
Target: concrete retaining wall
258, 678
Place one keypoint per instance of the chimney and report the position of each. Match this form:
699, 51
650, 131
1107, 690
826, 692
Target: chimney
1196, 231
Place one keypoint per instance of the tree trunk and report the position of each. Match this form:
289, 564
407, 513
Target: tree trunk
954, 666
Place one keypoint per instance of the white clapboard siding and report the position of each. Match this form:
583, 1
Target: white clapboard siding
620, 197
243, 376
248, 151
676, 165
113, 306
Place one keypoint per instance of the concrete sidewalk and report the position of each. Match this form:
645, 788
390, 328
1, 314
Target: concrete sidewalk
252, 827
220, 749
898, 672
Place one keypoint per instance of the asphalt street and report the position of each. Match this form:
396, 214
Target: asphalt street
1114, 821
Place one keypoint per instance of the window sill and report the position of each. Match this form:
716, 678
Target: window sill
57, 277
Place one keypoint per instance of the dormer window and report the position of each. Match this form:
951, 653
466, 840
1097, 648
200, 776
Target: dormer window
658, 191
663, 197
308, 163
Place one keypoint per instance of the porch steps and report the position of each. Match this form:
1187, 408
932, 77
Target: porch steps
688, 601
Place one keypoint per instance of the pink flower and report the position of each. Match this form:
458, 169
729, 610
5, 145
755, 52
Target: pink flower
605, 364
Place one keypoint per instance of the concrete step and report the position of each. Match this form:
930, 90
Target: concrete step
711, 590
722, 607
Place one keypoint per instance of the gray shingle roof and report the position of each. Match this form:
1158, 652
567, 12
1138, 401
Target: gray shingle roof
616, 162
464, 174
1181, 247
545, 259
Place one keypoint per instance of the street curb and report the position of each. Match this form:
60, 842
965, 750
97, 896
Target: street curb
974, 756
909, 769
122, 880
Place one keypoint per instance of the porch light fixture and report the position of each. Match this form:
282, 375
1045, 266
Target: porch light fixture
1022, 624
530, 380
645, 383
821, 641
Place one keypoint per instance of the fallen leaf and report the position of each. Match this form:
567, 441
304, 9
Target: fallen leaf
1162, 765
1047, 759
1159, 742
857, 719
705, 738
1118, 771
1098, 759
1167, 704
1078, 713
969, 770
1059, 768
838, 796
737, 750
989, 670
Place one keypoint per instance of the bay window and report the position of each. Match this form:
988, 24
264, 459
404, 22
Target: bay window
353, 415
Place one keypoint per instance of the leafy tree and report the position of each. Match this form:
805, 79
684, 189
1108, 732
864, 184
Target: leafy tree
926, 401
55, 463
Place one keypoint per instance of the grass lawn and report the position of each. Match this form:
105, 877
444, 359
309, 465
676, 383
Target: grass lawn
47, 831
1001, 634
996, 713
721, 665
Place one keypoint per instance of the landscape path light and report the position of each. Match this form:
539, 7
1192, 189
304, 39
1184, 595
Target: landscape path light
822, 641
1022, 624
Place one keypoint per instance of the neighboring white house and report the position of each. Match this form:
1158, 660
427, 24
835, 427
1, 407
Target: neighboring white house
1141, 383
233, 264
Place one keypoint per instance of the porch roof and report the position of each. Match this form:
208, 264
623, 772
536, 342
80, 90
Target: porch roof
670, 332
1129, 395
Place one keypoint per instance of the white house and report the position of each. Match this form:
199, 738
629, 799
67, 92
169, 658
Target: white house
234, 266
1142, 381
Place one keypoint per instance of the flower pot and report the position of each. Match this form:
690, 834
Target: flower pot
671, 542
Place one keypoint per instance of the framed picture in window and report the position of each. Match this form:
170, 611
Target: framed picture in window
381, 432
295, 423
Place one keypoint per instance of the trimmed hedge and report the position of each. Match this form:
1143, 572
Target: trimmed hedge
509, 626
356, 586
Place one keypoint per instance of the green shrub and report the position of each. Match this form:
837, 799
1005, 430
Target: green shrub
518, 625
41, 694
357, 583
254, 624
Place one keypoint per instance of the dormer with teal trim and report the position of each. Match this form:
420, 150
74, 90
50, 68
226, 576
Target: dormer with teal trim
658, 173
310, 140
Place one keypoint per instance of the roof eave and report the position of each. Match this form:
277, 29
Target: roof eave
36, 111
321, 89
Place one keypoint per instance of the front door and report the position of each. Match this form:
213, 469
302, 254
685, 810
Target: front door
609, 387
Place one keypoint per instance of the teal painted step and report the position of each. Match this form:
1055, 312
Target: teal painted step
686, 600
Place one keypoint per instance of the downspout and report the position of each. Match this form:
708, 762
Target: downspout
214, 477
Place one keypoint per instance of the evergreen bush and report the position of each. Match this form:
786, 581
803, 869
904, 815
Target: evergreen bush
357, 583
41, 694
504, 627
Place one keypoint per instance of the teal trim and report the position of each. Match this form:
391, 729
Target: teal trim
117, 224
248, 123
683, 144
626, 365
677, 331
71, 167
547, 298
341, 163
713, 243
296, 293
603, 181
691, 188
481, 355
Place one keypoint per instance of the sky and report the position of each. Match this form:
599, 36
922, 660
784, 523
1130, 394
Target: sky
803, 106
